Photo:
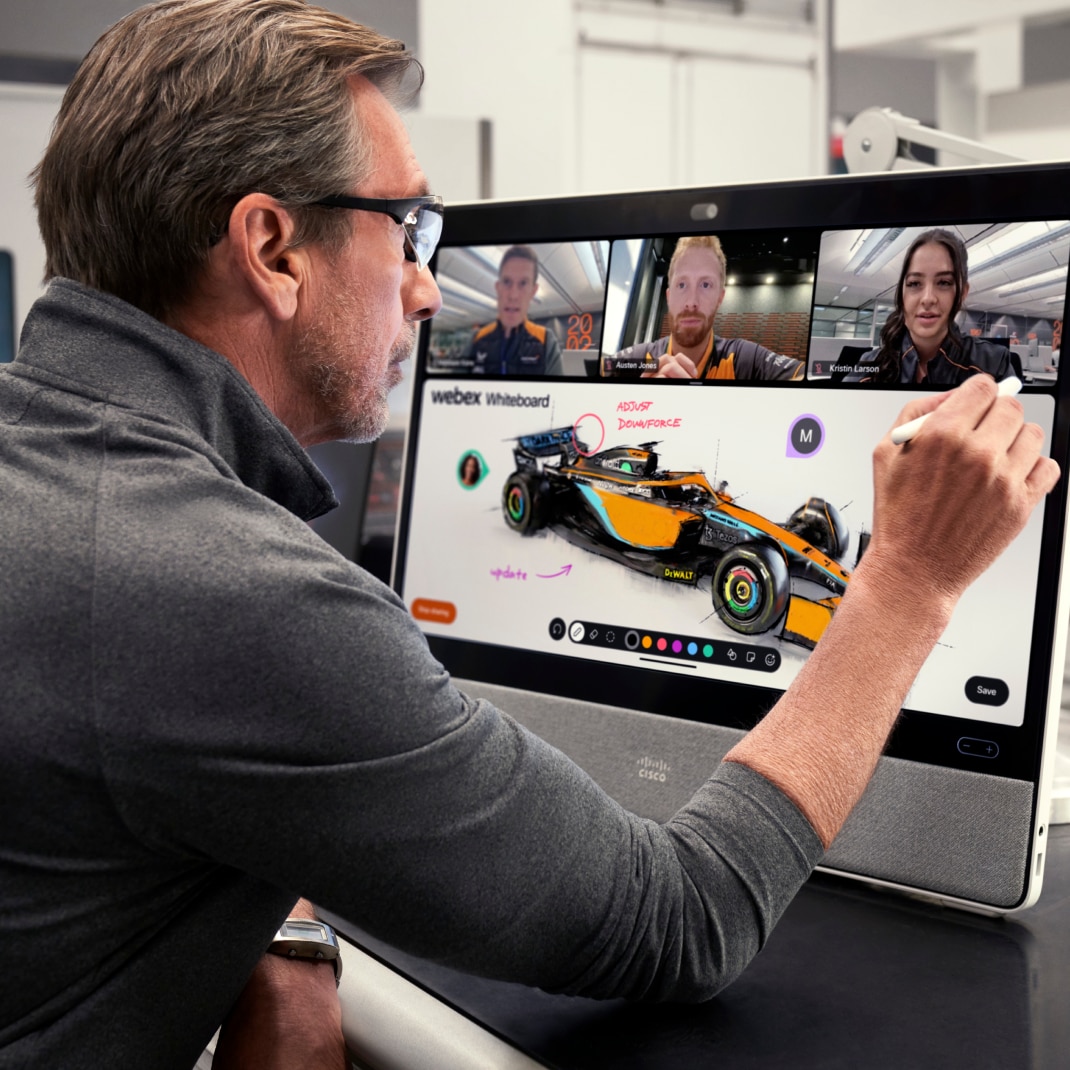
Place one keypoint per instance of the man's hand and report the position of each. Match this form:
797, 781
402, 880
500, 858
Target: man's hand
673, 366
287, 1018
947, 503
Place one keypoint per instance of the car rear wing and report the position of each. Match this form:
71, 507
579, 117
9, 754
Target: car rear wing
560, 442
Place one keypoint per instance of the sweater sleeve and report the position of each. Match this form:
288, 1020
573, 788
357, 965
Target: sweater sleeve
286, 719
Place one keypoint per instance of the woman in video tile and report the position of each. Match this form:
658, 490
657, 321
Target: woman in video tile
920, 342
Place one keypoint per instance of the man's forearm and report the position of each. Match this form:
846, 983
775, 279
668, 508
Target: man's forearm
821, 742
287, 1018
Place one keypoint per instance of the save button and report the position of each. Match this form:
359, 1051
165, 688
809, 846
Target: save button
987, 691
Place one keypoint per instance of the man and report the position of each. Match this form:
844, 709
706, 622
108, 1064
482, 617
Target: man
512, 344
207, 712
691, 350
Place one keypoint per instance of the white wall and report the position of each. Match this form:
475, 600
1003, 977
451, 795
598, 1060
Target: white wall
592, 96
983, 89
1033, 122
513, 64
449, 152
699, 97
878, 23
26, 114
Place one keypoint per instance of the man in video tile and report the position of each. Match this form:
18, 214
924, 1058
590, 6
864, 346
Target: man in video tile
691, 350
512, 344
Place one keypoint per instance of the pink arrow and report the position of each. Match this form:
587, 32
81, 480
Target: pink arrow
564, 572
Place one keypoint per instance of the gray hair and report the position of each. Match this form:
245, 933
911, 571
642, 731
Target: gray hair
184, 107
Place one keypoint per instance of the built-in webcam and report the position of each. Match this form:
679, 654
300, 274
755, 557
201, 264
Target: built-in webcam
703, 210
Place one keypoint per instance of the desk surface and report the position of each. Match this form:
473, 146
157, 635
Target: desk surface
850, 977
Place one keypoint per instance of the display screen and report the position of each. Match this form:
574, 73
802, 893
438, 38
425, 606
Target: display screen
668, 516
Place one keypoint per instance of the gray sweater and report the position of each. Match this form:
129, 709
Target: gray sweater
206, 712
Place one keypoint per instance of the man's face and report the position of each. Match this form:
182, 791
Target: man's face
695, 292
359, 322
516, 287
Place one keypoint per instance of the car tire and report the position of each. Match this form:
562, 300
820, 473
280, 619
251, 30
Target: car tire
751, 588
524, 502
820, 524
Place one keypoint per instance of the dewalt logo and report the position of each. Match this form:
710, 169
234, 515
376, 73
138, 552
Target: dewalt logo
679, 575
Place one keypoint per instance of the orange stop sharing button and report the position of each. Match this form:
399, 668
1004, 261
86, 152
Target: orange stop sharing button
429, 609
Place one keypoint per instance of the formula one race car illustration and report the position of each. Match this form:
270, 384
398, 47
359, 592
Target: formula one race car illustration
675, 526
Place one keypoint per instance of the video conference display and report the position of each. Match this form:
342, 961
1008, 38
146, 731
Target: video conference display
572, 496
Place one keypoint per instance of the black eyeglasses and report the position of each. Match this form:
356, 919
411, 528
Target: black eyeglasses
420, 216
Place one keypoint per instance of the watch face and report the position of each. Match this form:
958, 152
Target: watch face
302, 929
306, 938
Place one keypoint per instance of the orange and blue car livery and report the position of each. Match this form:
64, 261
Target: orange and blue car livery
677, 527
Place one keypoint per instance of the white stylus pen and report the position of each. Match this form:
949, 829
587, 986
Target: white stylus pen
1006, 389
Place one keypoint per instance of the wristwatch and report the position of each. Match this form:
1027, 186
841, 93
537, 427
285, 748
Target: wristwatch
306, 938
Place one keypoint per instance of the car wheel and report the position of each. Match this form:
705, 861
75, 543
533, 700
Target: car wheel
820, 524
751, 588
524, 502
